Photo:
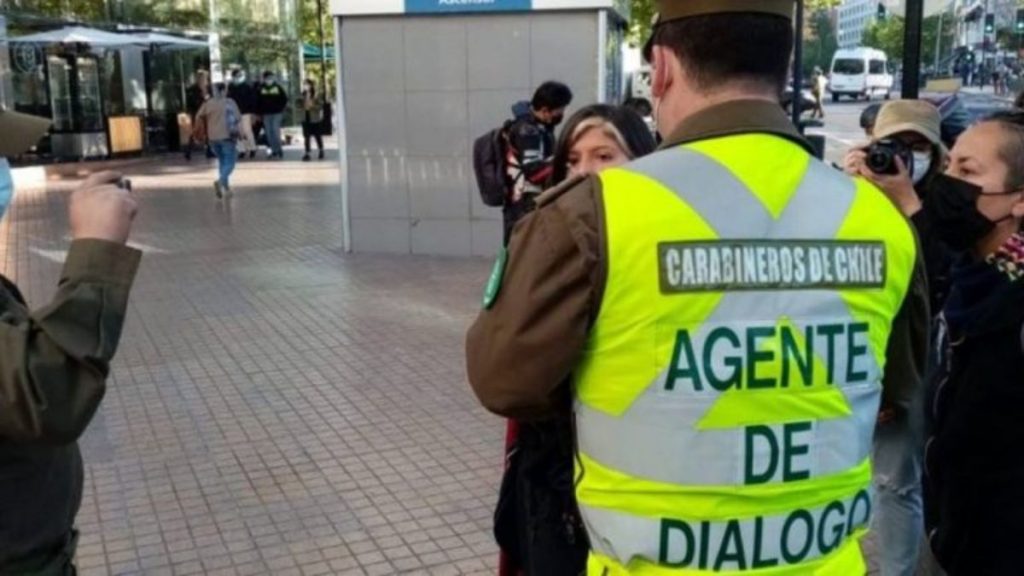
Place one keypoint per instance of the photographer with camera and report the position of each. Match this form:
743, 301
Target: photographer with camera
905, 154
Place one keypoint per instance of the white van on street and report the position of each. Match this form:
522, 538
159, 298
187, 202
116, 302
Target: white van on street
860, 73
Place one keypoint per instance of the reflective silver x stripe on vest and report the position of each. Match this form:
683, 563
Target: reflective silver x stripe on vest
657, 437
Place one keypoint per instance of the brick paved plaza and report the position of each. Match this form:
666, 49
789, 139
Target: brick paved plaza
276, 407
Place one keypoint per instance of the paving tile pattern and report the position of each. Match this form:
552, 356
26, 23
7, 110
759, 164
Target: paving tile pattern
277, 406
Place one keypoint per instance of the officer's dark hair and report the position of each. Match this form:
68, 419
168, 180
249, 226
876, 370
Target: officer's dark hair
628, 125
869, 116
1012, 150
267, 73
719, 49
551, 95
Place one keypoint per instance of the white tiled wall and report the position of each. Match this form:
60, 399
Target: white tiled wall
418, 91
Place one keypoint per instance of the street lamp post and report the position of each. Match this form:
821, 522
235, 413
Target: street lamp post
912, 49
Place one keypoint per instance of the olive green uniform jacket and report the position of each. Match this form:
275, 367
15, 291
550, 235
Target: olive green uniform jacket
53, 368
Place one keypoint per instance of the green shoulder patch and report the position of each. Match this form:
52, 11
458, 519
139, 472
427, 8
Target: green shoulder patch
494, 282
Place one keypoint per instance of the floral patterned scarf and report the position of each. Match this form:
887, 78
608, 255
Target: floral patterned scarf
1009, 259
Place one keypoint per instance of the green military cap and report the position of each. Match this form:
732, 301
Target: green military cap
669, 10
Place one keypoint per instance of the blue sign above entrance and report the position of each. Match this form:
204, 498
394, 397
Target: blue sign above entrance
443, 6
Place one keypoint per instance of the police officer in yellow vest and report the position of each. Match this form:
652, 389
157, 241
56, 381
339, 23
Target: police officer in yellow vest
729, 314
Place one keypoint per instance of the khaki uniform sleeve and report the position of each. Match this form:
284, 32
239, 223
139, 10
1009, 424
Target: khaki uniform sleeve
907, 354
54, 361
523, 348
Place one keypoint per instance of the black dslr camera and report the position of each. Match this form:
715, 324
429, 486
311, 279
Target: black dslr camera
882, 156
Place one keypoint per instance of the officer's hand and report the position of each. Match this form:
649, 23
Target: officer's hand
898, 187
100, 210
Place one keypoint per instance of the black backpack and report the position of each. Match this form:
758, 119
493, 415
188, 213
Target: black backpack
489, 166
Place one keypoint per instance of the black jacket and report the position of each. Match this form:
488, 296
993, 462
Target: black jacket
243, 95
272, 99
194, 98
974, 457
937, 260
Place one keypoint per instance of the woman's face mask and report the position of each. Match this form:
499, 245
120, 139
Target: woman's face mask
952, 205
922, 164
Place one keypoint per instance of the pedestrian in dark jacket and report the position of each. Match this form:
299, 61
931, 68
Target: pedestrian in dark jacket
271, 101
245, 97
973, 466
312, 119
531, 148
54, 362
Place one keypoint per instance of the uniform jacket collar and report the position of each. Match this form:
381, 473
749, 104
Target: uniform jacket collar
737, 117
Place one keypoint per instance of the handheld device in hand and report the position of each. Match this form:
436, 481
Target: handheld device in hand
881, 156
125, 184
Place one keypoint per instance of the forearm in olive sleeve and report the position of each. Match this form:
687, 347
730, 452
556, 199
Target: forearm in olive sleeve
524, 346
54, 361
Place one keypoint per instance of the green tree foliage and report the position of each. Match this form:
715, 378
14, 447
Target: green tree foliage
309, 33
84, 10
641, 15
161, 13
887, 36
820, 43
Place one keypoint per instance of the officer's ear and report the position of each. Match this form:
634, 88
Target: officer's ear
662, 59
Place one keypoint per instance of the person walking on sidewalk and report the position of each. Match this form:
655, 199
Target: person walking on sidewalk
818, 88
221, 119
55, 364
313, 118
271, 102
242, 93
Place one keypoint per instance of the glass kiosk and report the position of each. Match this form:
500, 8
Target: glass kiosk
75, 98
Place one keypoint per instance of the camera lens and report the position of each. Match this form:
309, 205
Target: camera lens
880, 161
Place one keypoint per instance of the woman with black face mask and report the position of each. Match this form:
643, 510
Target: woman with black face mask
974, 469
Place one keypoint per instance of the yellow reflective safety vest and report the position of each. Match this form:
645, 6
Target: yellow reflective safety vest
728, 392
